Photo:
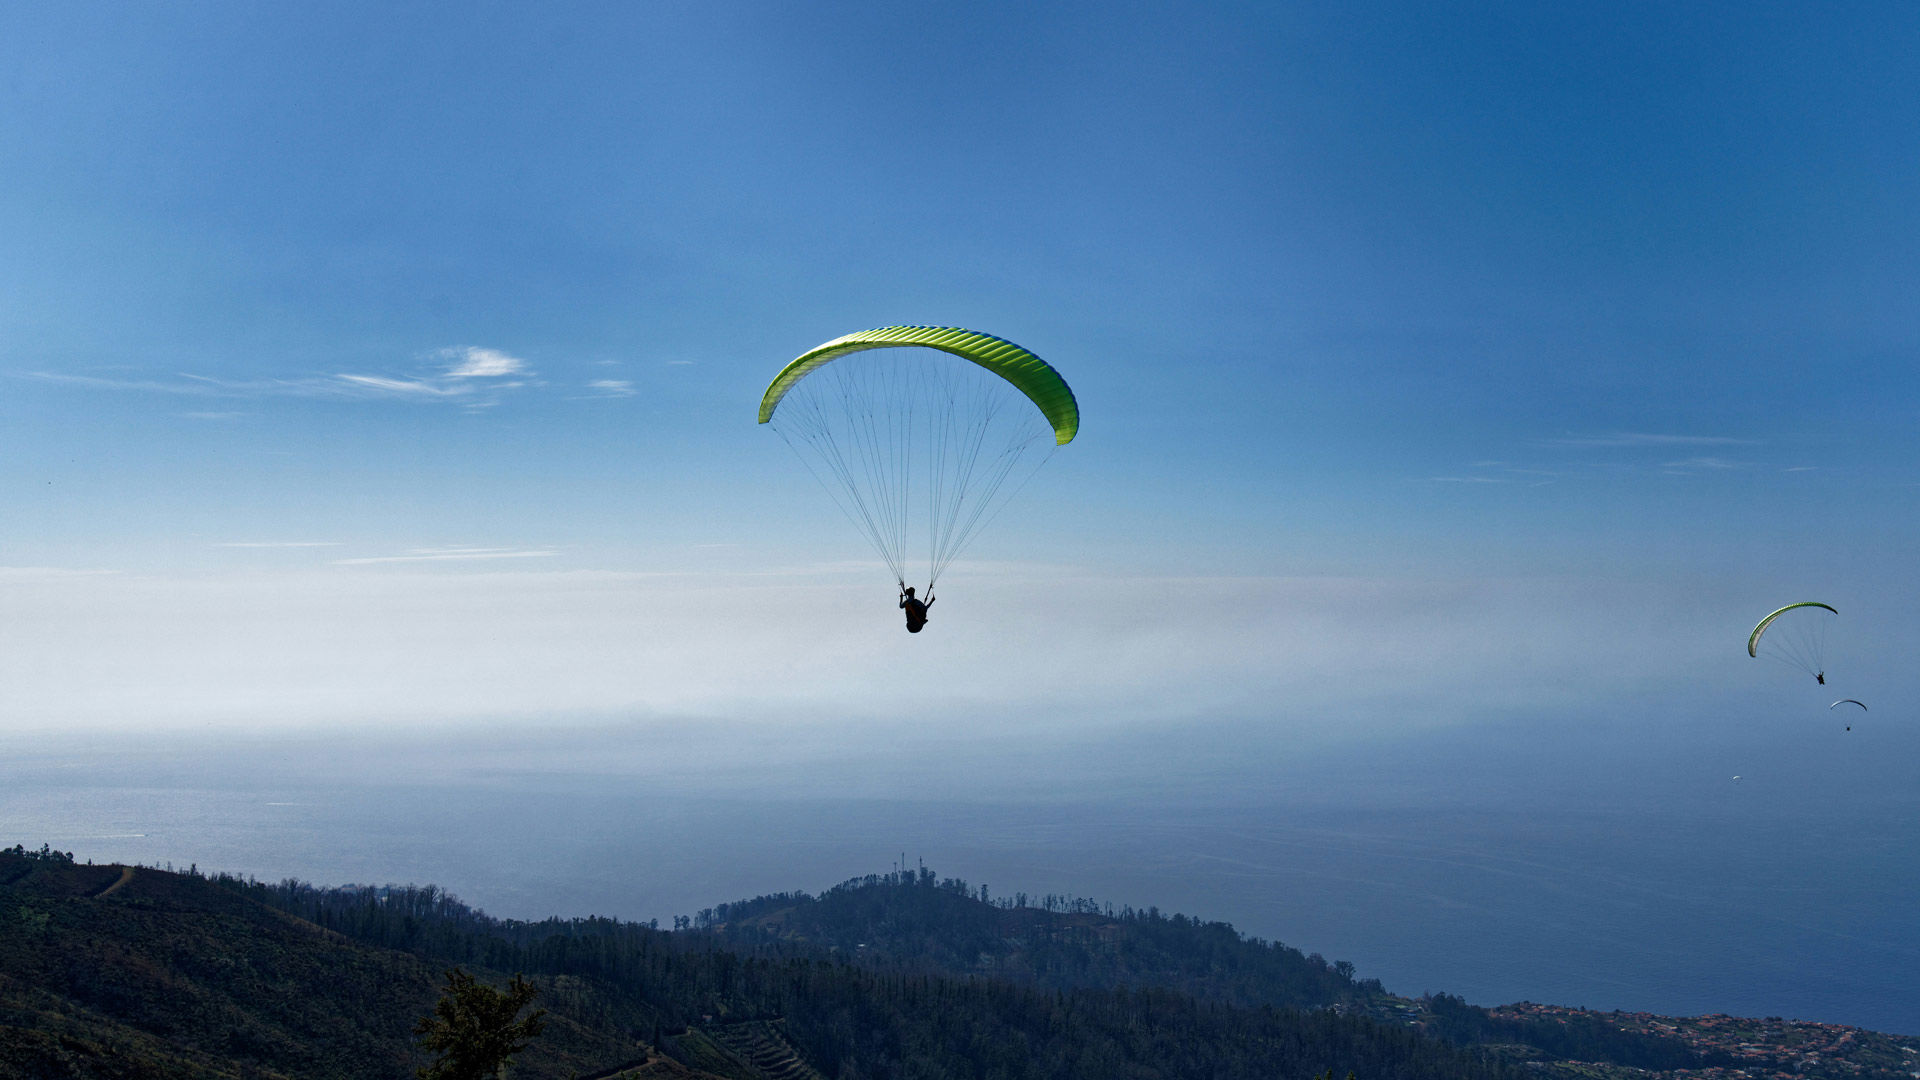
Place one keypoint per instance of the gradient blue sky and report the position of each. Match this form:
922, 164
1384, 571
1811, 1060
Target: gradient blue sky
441, 328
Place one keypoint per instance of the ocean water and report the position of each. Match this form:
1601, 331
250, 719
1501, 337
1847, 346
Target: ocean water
1593, 863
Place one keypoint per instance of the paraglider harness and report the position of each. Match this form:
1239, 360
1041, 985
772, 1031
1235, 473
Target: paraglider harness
916, 611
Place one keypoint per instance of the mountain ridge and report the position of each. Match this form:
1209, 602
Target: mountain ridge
184, 974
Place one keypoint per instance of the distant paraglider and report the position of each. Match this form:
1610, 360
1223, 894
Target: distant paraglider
1848, 701
1795, 635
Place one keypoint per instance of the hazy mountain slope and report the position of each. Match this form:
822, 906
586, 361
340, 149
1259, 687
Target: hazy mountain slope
916, 919
913, 921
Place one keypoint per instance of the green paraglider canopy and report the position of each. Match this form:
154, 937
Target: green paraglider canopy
1753, 639
921, 434
1031, 375
1795, 635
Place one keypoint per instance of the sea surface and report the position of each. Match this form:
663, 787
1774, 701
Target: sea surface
1594, 863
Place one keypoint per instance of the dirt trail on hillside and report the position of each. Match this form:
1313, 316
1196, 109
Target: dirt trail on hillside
126, 875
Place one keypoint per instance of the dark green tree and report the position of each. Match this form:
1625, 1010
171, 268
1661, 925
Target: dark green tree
474, 1028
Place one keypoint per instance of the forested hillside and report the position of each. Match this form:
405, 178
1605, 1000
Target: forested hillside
917, 921
158, 974
162, 974
922, 921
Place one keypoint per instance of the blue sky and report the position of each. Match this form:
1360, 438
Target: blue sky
306, 313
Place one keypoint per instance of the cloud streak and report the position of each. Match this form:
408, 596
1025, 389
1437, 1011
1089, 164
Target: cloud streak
472, 373
405, 386
469, 374
16, 574
448, 554
611, 388
192, 385
473, 362
1629, 439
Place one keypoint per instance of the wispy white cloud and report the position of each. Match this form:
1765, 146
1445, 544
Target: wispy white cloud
405, 386
474, 362
445, 554
1467, 480
1802, 468
99, 383
198, 385
473, 375
278, 544
1695, 463
469, 374
1639, 438
612, 388
48, 573
1646, 440
680, 363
